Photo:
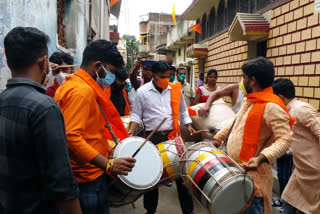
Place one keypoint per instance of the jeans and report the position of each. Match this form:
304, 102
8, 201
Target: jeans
93, 196
150, 199
288, 209
284, 170
256, 206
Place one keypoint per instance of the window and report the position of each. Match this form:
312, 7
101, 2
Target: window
221, 16
197, 34
243, 6
179, 52
211, 24
252, 5
262, 4
262, 48
232, 10
204, 27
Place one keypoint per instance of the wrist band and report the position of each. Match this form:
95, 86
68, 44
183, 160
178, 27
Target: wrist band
110, 164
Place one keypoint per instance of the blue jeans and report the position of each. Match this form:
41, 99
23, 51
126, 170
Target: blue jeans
93, 196
288, 209
256, 206
284, 170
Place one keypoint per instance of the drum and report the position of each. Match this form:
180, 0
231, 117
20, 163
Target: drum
215, 180
145, 174
171, 151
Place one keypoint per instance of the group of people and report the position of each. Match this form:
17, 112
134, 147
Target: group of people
55, 151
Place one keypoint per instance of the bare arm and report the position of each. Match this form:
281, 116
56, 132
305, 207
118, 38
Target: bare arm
70, 206
224, 92
133, 75
132, 128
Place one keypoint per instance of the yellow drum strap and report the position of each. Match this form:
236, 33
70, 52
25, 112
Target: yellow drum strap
111, 144
166, 161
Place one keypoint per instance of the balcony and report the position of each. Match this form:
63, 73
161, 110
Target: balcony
180, 35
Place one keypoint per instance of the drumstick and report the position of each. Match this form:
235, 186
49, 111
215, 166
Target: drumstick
68, 66
149, 136
212, 130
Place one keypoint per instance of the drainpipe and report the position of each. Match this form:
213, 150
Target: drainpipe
101, 18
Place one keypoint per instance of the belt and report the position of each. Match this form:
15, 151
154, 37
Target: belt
164, 133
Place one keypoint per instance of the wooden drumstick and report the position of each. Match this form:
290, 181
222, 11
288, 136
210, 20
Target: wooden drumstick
149, 136
68, 66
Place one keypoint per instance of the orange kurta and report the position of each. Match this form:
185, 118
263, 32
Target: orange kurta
84, 127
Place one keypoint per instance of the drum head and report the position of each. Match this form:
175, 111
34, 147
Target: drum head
233, 196
148, 167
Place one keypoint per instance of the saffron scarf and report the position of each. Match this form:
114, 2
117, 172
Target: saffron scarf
107, 106
175, 105
253, 122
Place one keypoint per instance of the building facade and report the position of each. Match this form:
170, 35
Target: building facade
69, 24
285, 31
154, 27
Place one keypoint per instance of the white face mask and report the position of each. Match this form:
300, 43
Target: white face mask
61, 77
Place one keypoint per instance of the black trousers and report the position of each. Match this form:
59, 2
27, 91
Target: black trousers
150, 199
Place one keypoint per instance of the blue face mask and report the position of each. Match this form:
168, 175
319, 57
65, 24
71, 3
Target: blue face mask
107, 81
171, 78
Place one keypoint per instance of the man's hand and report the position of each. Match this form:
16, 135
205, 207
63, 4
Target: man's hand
216, 143
54, 68
121, 166
204, 111
190, 129
254, 163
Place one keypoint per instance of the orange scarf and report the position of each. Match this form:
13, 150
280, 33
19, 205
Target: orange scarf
128, 105
175, 105
107, 106
253, 122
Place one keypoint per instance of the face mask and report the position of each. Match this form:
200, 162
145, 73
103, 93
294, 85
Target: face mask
242, 87
182, 77
128, 86
107, 81
171, 78
61, 77
163, 83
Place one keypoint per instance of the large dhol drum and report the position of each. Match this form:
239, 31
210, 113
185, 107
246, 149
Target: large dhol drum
145, 174
220, 116
171, 151
215, 180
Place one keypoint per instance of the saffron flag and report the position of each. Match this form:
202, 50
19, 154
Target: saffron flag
147, 43
197, 28
142, 37
112, 2
174, 13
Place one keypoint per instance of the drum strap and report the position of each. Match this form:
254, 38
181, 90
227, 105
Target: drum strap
108, 125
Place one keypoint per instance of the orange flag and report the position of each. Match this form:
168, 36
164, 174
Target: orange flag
197, 28
174, 14
112, 2
147, 43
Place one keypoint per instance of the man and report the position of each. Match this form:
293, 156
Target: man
261, 132
146, 74
60, 58
154, 101
235, 91
302, 191
118, 95
200, 80
173, 71
78, 99
35, 172
187, 91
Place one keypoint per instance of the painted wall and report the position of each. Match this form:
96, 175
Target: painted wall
42, 14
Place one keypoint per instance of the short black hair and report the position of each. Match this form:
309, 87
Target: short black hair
159, 67
24, 46
104, 51
172, 68
122, 74
284, 87
59, 57
262, 69
180, 68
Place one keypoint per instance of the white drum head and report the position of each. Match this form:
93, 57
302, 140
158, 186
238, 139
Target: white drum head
233, 196
148, 168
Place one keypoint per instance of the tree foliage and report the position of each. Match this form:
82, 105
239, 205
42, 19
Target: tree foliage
132, 46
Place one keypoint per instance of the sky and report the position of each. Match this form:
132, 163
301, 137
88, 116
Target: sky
131, 10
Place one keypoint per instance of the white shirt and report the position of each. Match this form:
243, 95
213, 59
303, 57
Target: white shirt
151, 106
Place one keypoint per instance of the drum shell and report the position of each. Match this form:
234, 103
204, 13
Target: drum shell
217, 184
122, 190
171, 151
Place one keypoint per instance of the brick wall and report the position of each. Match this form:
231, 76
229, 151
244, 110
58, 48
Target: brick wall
294, 47
143, 27
227, 57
